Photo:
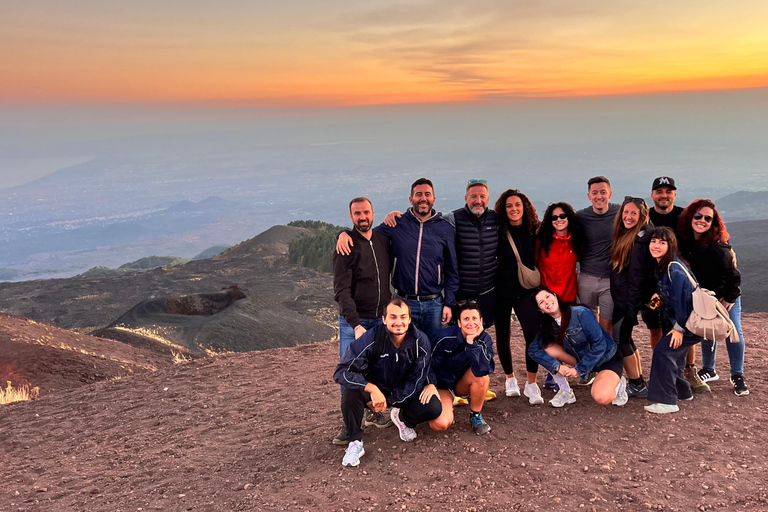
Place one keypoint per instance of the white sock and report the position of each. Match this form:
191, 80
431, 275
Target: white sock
561, 381
616, 393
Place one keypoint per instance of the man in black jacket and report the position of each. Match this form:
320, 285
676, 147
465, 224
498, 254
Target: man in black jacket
361, 287
387, 364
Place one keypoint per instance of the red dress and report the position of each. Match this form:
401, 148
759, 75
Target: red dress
558, 268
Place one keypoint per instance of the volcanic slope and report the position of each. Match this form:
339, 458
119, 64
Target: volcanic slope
284, 304
252, 432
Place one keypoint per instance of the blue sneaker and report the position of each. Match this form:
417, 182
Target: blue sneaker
549, 383
479, 426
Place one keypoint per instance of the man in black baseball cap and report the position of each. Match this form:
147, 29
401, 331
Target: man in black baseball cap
664, 211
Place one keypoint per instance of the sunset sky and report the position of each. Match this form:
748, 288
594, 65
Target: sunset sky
297, 53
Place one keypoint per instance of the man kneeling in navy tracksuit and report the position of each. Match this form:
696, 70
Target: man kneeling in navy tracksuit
462, 359
389, 363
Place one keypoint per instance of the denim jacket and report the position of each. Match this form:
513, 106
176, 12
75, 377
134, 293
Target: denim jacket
584, 339
675, 290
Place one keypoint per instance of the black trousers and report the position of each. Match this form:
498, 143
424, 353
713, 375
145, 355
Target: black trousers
412, 412
527, 313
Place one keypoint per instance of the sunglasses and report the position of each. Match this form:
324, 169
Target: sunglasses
639, 201
562, 216
699, 216
470, 302
477, 182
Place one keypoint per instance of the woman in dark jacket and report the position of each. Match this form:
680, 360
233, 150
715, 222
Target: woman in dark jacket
704, 244
519, 221
667, 384
632, 285
571, 343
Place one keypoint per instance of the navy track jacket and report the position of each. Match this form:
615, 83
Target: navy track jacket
400, 373
452, 356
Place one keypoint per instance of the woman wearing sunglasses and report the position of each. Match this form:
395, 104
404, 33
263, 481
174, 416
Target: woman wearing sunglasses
632, 284
559, 244
704, 244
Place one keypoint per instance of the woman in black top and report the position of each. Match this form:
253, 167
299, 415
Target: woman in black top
518, 219
704, 244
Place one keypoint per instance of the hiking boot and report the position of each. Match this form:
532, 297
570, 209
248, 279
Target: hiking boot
407, 434
637, 390
697, 385
739, 386
621, 393
511, 388
479, 426
586, 380
549, 383
342, 437
533, 393
377, 419
708, 375
661, 408
355, 450
563, 397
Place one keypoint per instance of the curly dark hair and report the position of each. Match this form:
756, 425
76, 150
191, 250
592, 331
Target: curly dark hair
716, 233
530, 217
546, 230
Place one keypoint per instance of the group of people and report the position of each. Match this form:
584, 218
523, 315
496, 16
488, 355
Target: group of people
417, 292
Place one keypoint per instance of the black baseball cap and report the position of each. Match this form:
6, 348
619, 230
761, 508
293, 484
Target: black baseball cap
664, 181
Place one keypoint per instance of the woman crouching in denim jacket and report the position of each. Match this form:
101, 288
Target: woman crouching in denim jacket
667, 384
576, 350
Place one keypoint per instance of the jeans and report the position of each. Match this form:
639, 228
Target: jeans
426, 316
735, 350
347, 333
667, 383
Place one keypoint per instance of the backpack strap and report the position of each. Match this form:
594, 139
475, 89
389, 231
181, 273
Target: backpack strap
691, 279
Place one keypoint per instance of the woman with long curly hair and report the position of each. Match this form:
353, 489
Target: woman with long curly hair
518, 223
704, 244
560, 241
632, 284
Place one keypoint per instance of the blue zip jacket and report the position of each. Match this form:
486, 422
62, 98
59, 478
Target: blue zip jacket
452, 356
424, 256
584, 339
400, 373
675, 290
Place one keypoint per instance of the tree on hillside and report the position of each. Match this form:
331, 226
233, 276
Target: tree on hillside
314, 250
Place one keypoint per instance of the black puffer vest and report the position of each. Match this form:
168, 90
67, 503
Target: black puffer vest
476, 242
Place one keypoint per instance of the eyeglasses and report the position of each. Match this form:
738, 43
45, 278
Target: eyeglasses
639, 201
468, 302
562, 216
699, 216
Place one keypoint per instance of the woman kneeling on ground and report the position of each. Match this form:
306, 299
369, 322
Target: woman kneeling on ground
667, 384
571, 343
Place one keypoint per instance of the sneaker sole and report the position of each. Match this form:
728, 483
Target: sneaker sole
709, 379
512, 393
570, 401
656, 411
353, 464
743, 393
378, 425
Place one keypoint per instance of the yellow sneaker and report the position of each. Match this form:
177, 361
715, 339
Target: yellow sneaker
457, 400
489, 395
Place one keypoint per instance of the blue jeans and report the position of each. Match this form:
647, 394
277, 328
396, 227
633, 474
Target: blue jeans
347, 333
735, 350
426, 316
667, 383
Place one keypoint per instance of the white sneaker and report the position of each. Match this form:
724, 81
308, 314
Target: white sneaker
563, 397
407, 434
533, 393
511, 387
621, 393
354, 452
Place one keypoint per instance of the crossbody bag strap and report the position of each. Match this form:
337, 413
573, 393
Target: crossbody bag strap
514, 248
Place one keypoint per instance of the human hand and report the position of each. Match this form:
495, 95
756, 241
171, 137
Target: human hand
378, 400
427, 393
567, 371
359, 331
344, 244
391, 218
676, 338
447, 314
726, 305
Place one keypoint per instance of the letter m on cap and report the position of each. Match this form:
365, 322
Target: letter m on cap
663, 180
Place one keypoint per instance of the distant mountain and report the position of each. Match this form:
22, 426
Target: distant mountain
211, 252
151, 262
743, 205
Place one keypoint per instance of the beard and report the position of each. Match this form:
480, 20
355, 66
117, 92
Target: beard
363, 227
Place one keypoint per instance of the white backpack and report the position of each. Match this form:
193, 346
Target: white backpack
709, 318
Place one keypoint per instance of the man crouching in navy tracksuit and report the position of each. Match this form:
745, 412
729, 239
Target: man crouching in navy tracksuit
462, 359
389, 363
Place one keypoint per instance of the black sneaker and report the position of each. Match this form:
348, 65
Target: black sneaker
637, 390
708, 375
342, 437
739, 386
377, 419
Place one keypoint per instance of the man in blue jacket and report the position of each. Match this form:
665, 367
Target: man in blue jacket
387, 364
424, 268
462, 361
